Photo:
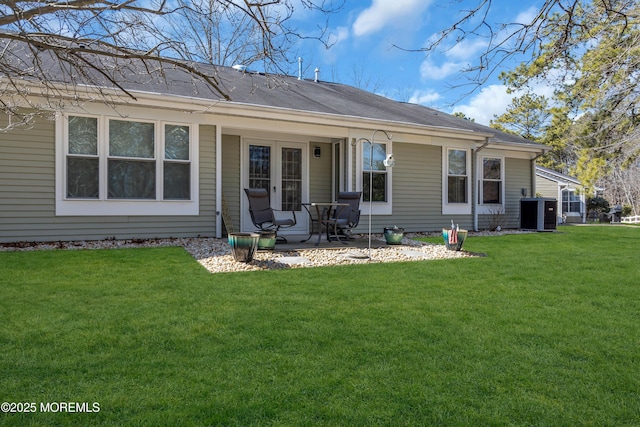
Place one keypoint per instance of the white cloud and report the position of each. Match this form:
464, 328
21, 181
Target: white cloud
527, 16
338, 35
424, 97
429, 71
387, 12
492, 100
466, 49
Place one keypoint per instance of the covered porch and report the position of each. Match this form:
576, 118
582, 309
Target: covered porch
296, 170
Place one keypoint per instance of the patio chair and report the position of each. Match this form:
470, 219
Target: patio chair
263, 215
348, 217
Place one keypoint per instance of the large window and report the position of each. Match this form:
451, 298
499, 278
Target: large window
491, 181
457, 176
121, 160
131, 165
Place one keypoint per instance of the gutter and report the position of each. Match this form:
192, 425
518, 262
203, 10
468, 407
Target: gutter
218, 219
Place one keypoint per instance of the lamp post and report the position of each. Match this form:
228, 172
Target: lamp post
388, 162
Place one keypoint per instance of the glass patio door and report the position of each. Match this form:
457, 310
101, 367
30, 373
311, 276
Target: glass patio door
279, 168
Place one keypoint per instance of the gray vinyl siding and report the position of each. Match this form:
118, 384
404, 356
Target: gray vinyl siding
231, 177
417, 192
27, 195
546, 187
27, 189
517, 177
206, 221
320, 176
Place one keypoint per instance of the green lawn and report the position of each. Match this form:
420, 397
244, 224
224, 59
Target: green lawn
544, 330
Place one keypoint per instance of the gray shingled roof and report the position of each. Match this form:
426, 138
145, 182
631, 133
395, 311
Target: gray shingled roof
251, 88
555, 175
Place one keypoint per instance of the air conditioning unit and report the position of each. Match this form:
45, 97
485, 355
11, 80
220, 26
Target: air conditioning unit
538, 214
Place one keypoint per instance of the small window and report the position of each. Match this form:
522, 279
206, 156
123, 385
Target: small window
571, 202
456, 181
82, 158
177, 165
492, 181
457, 176
374, 171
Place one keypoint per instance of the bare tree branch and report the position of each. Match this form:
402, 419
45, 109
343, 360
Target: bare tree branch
101, 43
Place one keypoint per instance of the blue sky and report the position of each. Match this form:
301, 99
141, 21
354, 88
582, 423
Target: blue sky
363, 35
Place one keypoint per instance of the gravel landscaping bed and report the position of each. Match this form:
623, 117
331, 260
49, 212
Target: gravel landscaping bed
215, 254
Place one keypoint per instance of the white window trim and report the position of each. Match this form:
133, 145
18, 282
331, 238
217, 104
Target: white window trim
490, 208
377, 208
117, 207
455, 208
568, 191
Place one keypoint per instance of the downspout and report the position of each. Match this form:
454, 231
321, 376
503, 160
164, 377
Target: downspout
533, 173
218, 181
474, 191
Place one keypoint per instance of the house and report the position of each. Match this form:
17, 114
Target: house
174, 160
567, 190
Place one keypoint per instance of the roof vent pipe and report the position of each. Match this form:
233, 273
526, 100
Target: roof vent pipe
299, 68
317, 71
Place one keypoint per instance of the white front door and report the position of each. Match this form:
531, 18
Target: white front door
280, 168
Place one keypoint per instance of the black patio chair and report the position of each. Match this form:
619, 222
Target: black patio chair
348, 217
263, 215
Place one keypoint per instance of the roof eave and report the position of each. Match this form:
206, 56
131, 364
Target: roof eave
521, 146
223, 108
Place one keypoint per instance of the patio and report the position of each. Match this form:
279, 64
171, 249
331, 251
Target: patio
215, 254
359, 241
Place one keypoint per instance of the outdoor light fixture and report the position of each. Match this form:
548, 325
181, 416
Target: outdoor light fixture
317, 152
388, 163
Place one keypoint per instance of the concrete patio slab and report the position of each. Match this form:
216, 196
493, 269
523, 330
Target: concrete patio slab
293, 260
414, 254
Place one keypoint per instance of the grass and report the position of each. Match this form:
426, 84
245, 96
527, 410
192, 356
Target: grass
542, 331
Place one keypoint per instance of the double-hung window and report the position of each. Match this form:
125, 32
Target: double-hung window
492, 176
131, 161
374, 172
117, 166
82, 160
456, 181
457, 177
374, 178
571, 202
